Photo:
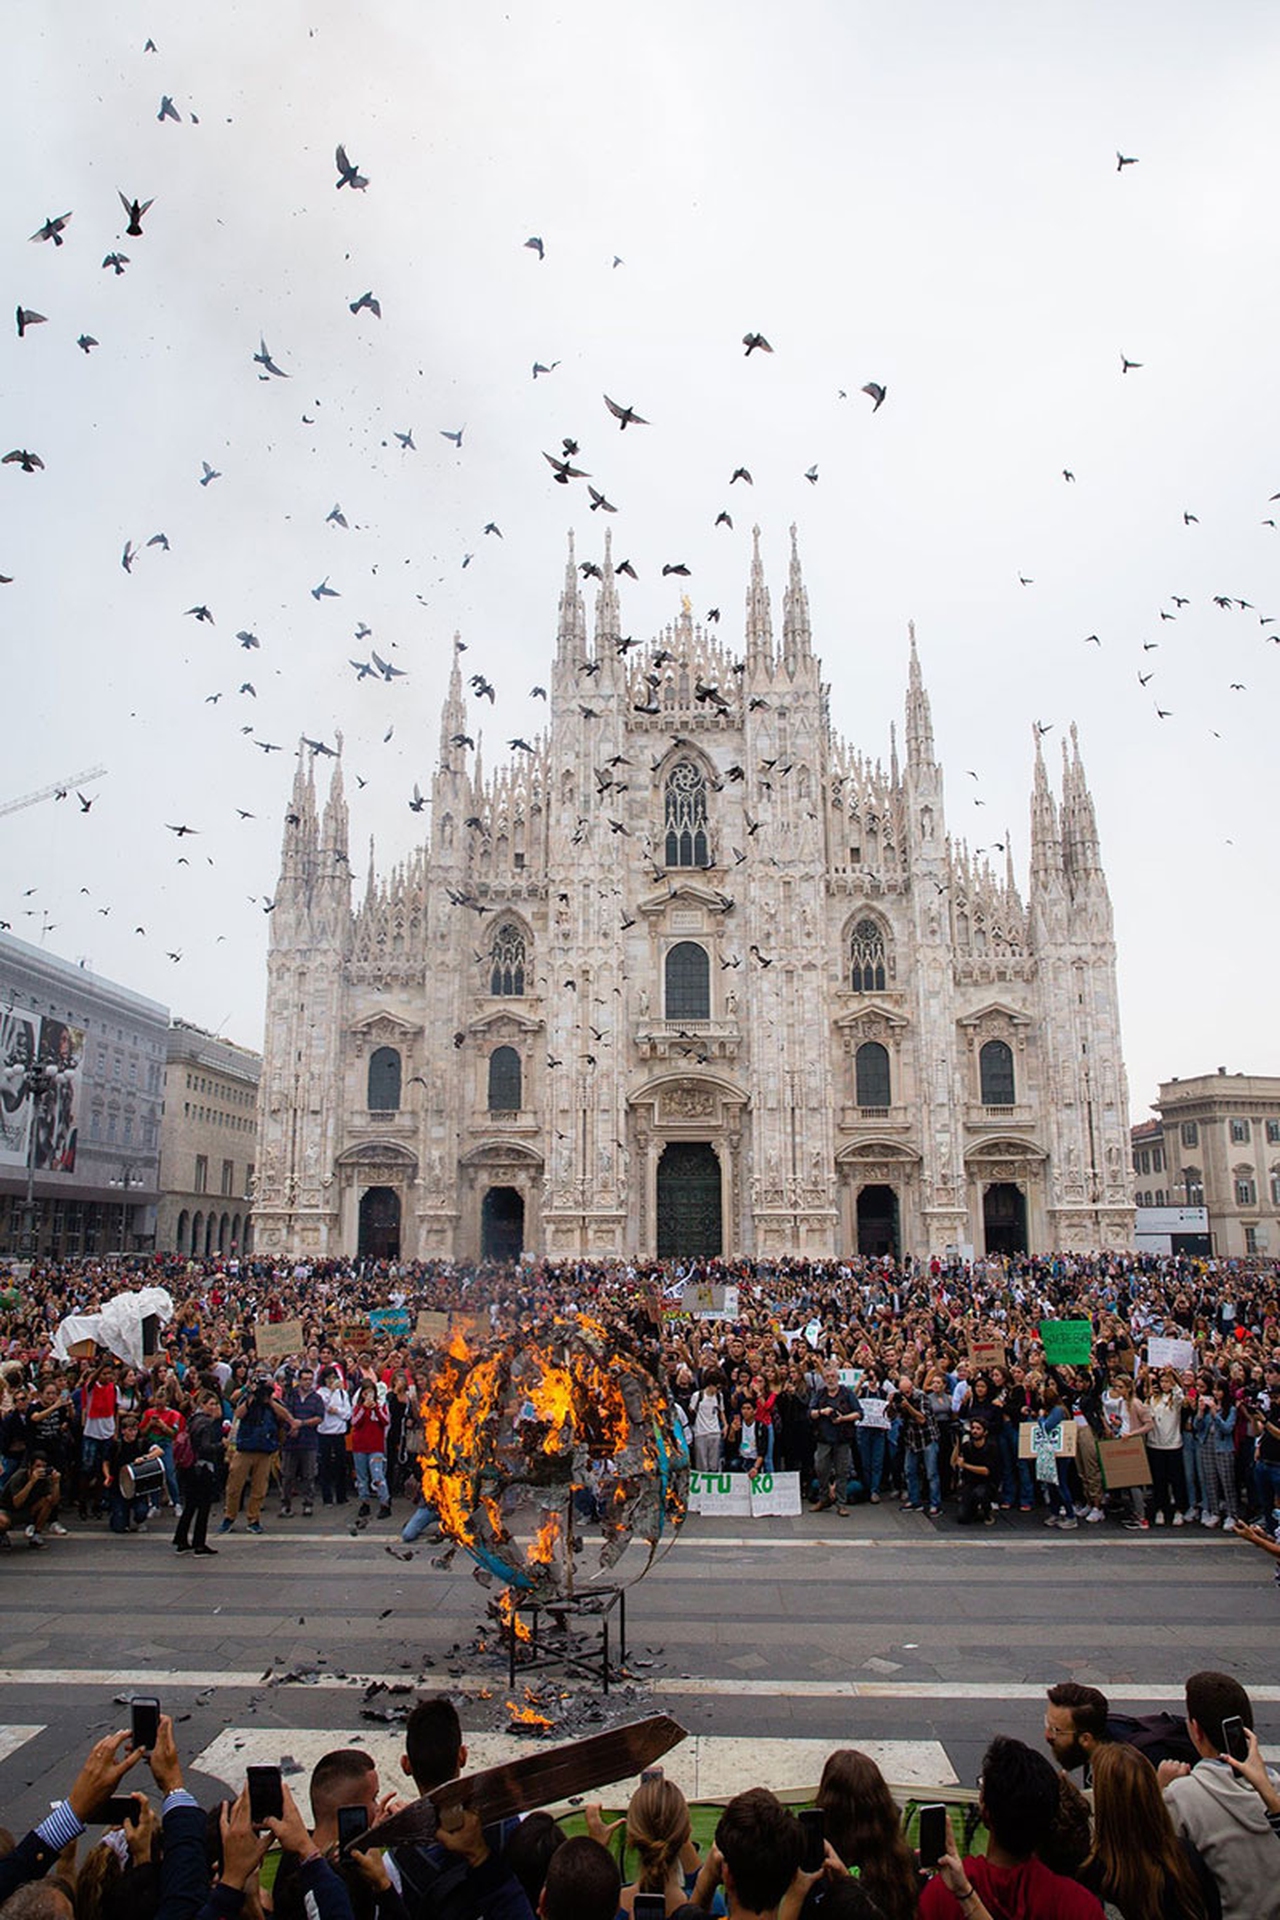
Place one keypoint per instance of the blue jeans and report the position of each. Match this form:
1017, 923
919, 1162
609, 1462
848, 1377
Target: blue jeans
372, 1468
1266, 1478
1059, 1493
871, 1445
170, 1472
1195, 1475
419, 1522
928, 1458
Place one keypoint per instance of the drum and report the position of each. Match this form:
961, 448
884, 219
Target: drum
139, 1479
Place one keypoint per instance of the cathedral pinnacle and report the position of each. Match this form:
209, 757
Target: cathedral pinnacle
571, 631
919, 717
608, 613
759, 617
795, 613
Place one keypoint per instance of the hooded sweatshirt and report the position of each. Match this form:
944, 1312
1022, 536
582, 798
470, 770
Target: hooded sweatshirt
1223, 1817
1027, 1891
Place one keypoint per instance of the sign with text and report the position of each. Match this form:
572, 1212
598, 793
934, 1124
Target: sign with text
1178, 1354
390, 1323
432, 1327
873, 1415
276, 1339
986, 1353
736, 1496
1064, 1440
1124, 1463
1067, 1343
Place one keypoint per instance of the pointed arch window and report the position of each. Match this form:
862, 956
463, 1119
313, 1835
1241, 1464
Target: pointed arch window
384, 1080
507, 960
685, 816
867, 957
504, 1080
995, 1070
688, 982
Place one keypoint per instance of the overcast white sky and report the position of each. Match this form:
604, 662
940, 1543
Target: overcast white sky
924, 194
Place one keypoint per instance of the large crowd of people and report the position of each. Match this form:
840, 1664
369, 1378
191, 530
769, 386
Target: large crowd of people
1195, 1838
873, 1381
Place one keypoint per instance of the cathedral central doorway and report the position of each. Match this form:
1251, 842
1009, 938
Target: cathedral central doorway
379, 1224
878, 1222
502, 1224
689, 1223
1004, 1218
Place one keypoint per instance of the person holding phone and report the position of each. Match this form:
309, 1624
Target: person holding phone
1138, 1862
659, 1835
1018, 1805
864, 1827
834, 1412
1217, 1810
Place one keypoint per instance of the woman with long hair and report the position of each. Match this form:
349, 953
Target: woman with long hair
865, 1829
659, 1833
1137, 1861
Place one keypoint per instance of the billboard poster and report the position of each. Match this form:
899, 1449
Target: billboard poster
57, 1111
18, 1036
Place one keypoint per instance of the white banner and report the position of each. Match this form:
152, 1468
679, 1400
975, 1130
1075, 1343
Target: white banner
735, 1496
874, 1416
1178, 1354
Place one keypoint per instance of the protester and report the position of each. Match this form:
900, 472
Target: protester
864, 1828
1217, 1810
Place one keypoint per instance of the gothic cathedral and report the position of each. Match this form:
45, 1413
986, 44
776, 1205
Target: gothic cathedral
688, 975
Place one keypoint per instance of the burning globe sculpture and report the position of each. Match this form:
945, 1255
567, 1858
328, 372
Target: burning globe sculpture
547, 1453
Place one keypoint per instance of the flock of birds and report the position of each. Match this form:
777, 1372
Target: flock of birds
378, 669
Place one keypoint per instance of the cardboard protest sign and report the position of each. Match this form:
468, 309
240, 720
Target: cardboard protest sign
734, 1496
1124, 1463
1067, 1343
390, 1322
276, 1339
873, 1415
432, 1328
1064, 1438
986, 1353
1178, 1354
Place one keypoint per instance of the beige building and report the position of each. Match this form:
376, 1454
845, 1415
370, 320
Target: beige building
687, 974
1219, 1146
207, 1144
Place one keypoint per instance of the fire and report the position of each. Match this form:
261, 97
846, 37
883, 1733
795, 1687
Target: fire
527, 1717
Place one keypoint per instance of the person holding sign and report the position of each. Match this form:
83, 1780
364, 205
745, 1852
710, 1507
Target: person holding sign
1051, 1468
834, 1412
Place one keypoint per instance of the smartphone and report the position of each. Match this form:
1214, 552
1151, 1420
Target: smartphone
933, 1834
651, 1773
266, 1794
1233, 1738
813, 1825
119, 1808
352, 1822
650, 1906
144, 1722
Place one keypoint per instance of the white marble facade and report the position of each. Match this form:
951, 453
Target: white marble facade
691, 974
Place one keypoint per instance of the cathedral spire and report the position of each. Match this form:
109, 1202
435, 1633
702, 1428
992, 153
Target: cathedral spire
759, 617
333, 838
1083, 857
571, 631
1046, 842
893, 753
608, 613
453, 714
919, 718
371, 883
796, 636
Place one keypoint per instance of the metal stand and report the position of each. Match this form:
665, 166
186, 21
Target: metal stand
557, 1646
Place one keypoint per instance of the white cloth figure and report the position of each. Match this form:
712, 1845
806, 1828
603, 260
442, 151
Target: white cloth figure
118, 1327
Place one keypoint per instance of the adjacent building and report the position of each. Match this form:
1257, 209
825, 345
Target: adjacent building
207, 1147
688, 974
1216, 1145
81, 1088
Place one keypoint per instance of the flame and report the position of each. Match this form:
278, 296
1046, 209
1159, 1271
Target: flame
526, 1717
508, 1618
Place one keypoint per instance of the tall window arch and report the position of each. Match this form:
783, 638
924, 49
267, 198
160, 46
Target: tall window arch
507, 959
685, 816
1193, 1182
871, 1073
995, 1069
504, 1080
688, 981
867, 957
384, 1080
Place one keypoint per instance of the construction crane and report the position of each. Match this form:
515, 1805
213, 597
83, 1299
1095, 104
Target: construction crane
58, 792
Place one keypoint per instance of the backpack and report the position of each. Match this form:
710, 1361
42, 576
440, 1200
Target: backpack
184, 1454
1158, 1736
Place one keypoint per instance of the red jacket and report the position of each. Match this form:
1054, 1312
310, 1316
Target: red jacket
369, 1429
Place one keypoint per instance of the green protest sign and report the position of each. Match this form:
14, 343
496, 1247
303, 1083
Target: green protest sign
1067, 1343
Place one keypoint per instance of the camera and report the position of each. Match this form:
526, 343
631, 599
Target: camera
262, 1387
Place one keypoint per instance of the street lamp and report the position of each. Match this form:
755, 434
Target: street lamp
36, 1080
124, 1179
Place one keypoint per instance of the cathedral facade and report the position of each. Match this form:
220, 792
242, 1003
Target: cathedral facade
689, 975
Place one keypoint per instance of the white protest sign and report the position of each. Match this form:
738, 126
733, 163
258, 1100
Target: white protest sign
735, 1496
852, 1377
1178, 1354
813, 1332
873, 1414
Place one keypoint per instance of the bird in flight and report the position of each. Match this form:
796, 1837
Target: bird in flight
405, 439
1144, 677
202, 613
539, 368
564, 473
117, 260
210, 473
85, 804
811, 475
1124, 160
375, 308
1164, 713
262, 358
1190, 519
741, 473
876, 393
625, 416
245, 638
28, 317
135, 210
536, 245
348, 175
86, 342
1067, 474
388, 672
418, 801
167, 109
625, 566
52, 228
181, 831
337, 516
491, 526
753, 340
446, 433
482, 688
679, 568
724, 518
126, 558
1129, 366
598, 500
325, 591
